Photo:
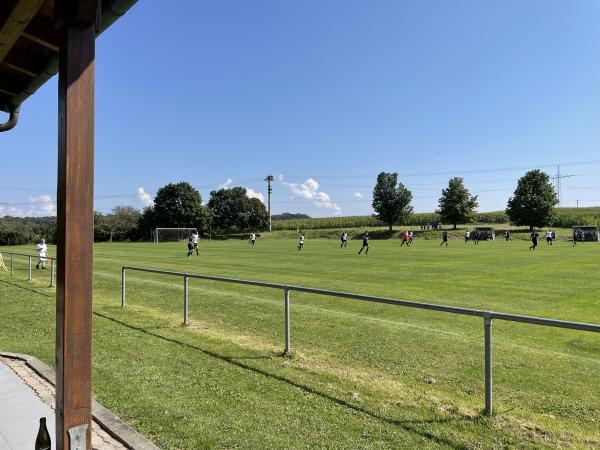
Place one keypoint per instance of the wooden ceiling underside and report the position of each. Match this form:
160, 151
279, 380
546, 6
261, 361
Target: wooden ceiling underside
28, 40
29, 44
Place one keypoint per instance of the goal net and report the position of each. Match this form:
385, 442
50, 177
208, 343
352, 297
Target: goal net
172, 234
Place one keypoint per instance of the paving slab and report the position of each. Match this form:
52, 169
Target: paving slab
27, 393
20, 412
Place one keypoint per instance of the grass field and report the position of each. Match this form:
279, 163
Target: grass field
361, 375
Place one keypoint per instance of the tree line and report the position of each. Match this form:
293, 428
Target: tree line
533, 203
179, 205
230, 210
176, 205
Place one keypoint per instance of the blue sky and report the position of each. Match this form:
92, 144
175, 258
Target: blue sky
324, 94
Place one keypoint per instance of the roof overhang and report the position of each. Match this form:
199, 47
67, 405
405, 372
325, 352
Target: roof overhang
29, 45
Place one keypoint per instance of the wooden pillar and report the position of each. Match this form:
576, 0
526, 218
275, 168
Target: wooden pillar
75, 226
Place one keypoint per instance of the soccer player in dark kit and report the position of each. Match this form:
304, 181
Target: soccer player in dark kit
534, 240
444, 238
365, 243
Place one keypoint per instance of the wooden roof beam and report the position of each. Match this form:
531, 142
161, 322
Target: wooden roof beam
9, 87
42, 32
23, 12
21, 62
19, 69
7, 92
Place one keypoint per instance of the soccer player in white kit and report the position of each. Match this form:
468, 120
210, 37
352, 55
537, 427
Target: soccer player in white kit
42, 251
301, 242
252, 240
344, 239
195, 239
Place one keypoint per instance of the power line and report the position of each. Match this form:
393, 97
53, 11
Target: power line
458, 172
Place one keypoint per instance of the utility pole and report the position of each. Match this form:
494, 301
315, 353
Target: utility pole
577, 203
558, 186
269, 179
557, 183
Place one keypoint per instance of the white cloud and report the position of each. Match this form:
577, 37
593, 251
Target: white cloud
309, 190
42, 206
225, 184
144, 197
8, 210
251, 193
357, 195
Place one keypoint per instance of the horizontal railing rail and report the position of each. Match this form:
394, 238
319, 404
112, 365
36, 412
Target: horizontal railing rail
29, 257
488, 316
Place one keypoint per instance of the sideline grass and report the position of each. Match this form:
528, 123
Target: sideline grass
362, 375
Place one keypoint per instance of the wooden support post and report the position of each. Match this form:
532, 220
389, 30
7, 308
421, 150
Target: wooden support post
75, 232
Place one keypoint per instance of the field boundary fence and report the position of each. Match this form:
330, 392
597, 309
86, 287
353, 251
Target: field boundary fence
487, 316
29, 257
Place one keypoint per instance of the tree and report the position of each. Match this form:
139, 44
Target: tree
258, 216
391, 199
534, 201
123, 221
456, 205
232, 210
102, 229
120, 225
146, 224
180, 205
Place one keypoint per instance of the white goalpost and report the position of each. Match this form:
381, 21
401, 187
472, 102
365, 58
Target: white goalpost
171, 234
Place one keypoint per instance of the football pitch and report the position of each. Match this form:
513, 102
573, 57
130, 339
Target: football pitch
361, 375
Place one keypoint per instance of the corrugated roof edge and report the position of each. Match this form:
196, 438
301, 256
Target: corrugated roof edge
111, 11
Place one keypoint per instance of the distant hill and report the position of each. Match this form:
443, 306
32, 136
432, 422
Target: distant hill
290, 216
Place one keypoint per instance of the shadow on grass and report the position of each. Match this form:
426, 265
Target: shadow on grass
273, 355
408, 425
20, 284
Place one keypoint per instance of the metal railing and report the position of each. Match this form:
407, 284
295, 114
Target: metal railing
488, 316
13, 254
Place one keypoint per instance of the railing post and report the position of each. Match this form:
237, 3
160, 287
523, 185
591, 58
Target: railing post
123, 287
29, 268
52, 273
487, 325
11, 264
185, 299
287, 330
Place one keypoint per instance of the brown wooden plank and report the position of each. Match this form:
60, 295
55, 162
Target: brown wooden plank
21, 62
42, 32
8, 93
15, 24
19, 69
75, 232
10, 86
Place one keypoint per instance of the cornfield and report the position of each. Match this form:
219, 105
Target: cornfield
565, 218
